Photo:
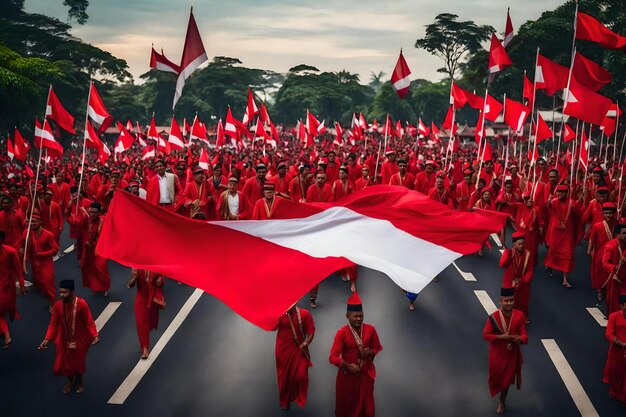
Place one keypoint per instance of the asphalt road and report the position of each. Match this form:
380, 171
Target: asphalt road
433, 363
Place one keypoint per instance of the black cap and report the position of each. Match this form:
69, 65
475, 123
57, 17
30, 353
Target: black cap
507, 292
67, 284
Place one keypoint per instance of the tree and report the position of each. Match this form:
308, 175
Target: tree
78, 10
388, 102
450, 40
376, 80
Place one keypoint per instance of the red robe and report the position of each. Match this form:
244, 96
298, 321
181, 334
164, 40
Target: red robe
528, 220
13, 225
298, 188
223, 212
93, 267
200, 192
52, 219
593, 213
10, 268
407, 181
615, 367
387, 170
317, 194
253, 190
104, 197
41, 249
600, 234
292, 364
561, 235
441, 196
362, 183
263, 210
462, 193
616, 284
424, 182
148, 300
355, 393
61, 194
71, 346
282, 184
505, 360
518, 274
340, 190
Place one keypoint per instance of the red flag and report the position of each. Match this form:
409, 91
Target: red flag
124, 141
388, 128
447, 123
586, 105
203, 161
96, 110
92, 140
590, 74
129, 125
400, 80
508, 31
608, 126
159, 62
45, 139
219, 142
152, 131
493, 108
57, 112
140, 138
434, 131
263, 114
584, 150
486, 153
422, 129
550, 76
164, 146
313, 126
529, 92
20, 145
10, 148
362, 122
186, 127
251, 109
274, 131
568, 133
175, 138
480, 128
148, 152
459, 96
515, 114
542, 130
193, 56
498, 58
614, 111
260, 133
399, 132
430, 233
533, 155
198, 131
338, 135
589, 29
230, 128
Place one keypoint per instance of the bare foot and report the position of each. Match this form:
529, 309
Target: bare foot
500, 409
80, 388
353, 287
411, 306
68, 388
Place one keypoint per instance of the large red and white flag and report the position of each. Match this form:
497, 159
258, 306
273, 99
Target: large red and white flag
124, 140
20, 145
338, 135
230, 127
550, 76
56, 112
251, 109
585, 105
411, 239
590, 29
498, 58
159, 62
515, 114
45, 139
508, 31
400, 80
96, 110
175, 137
608, 126
193, 56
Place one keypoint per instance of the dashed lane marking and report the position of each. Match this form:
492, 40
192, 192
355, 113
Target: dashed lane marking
598, 315
485, 301
106, 314
467, 276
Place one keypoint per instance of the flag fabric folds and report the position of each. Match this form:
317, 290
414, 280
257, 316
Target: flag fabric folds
589, 73
56, 112
498, 58
409, 237
159, 62
96, 110
590, 29
193, 56
586, 105
550, 76
400, 80
515, 114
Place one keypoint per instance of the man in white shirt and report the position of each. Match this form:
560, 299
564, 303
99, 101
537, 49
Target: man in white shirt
163, 188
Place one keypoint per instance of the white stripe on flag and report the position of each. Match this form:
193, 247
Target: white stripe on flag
98, 118
409, 261
184, 74
402, 83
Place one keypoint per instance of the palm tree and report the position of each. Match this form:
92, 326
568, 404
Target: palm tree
376, 80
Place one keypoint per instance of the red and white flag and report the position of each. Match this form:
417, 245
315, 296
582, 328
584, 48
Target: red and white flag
251, 109
584, 150
230, 127
93, 141
124, 140
422, 129
508, 31
140, 137
515, 115
159, 62
590, 29
176, 139
400, 80
528, 92
313, 125
608, 126
550, 76
96, 110
56, 112
129, 126
193, 56
148, 152
45, 139
220, 137
568, 133
203, 161
10, 149
152, 131
338, 135
585, 104
412, 239
434, 132
498, 58
20, 145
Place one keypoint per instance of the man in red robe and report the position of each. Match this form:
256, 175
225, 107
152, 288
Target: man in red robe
613, 262
93, 267
253, 188
440, 193
342, 186
561, 235
615, 367
332, 168
354, 348
51, 216
389, 166
518, 271
320, 191
148, 301
528, 220
593, 213
232, 205
295, 333
264, 208
299, 186
364, 181
41, 247
61, 190
12, 223
163, 188
425, 180
80, 200
281, 180
505, 330
197, 197
10, 272
402, 177
600, 234
73, 331
463, 191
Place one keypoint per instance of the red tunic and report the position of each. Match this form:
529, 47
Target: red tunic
282, 184
355, 393
10, 269
529, 221
148, 300
518, 274
387, 170
362, 183
317, 194
505, 359
263, 210
61, 194
201, 192
463, 192
42, 246
223, 212
253, 190
616, 285
94, 268
341, 189
561, 235
408, 180
298, 188
615, 367
52, 218
424, 182
593, 213
292, 364
600, 234
442, 196
73, 330
12, 224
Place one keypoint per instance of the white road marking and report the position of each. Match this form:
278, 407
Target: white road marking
496, 239
467, 276
598, 315
132, 380
106, 314
485, 300
65, 252
575, 389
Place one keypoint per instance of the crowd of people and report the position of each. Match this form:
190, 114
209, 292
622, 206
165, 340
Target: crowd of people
549, 202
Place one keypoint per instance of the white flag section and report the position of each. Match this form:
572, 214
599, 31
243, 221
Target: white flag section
193, 56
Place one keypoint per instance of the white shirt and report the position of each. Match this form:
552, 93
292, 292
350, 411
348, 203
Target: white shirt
233, 204
142, 193
164, 197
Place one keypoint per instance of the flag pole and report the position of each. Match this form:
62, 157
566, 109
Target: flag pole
378, 156
532, 109
482, 133
616, 129
82, 164
451, 138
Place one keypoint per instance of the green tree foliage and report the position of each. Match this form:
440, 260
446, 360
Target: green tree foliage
450, 40
387, 101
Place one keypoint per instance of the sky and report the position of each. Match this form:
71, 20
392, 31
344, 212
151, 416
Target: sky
361, 36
